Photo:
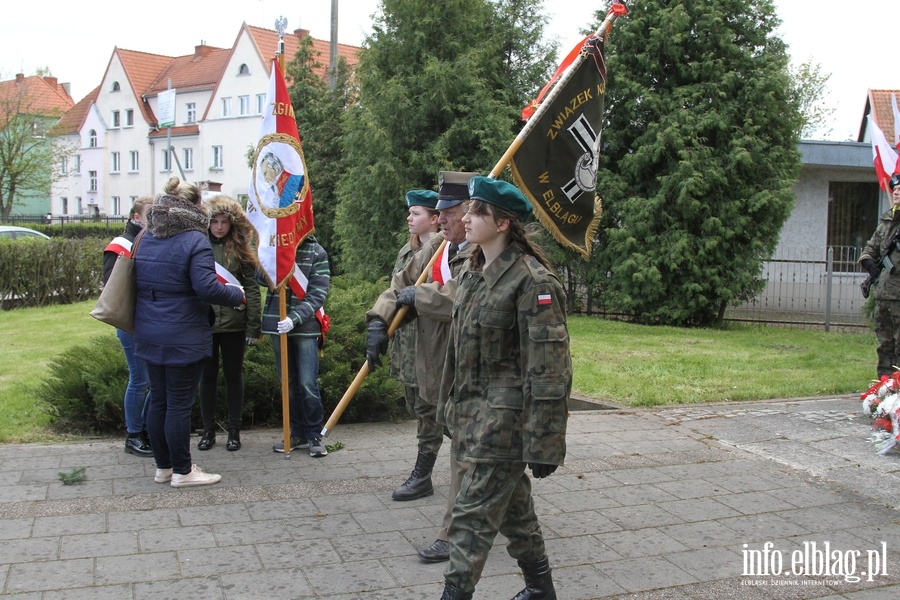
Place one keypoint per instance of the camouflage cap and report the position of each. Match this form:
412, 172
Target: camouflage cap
502, 194
453, 188
426, 198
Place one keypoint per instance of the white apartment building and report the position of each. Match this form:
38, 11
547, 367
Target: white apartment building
120, 153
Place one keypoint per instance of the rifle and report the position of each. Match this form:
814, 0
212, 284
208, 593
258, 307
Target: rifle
884, 263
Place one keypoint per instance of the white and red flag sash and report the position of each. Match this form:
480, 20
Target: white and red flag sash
119, 245
440, 270
883, 155
226, 277
299, 283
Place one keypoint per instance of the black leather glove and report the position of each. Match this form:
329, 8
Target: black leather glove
871, 268
376, 343
539, 471
407, 296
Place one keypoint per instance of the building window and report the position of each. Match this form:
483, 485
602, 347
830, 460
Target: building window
243, 69
65, 205
114, 159
92, 139
116, 205
78, 164
852, 217
166, 160
188, 159
79, 207
244, 105
135, 163
115, 119
191, 112
64, 165
132, 200
260, 103
115, 86
129, 117
226, 107
92, 181
218, 158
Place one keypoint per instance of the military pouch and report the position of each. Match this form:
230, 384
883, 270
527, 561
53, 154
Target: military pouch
888, 264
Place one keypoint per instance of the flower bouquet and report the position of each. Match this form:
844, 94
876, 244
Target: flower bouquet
882, 403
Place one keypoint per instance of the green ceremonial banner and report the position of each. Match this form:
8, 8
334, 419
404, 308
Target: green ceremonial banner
556, 164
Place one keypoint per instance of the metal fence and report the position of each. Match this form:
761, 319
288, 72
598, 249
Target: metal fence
811, 287
114, 225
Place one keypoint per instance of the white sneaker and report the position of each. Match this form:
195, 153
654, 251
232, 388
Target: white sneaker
163, 476
195, 477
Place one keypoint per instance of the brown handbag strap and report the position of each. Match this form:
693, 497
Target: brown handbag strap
137, 241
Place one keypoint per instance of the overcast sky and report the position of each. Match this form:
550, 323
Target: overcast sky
853, 41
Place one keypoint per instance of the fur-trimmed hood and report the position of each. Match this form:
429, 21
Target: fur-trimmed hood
223, 205
169, 216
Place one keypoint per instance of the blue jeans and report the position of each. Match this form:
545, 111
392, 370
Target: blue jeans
172, 392
305, 401
135, 403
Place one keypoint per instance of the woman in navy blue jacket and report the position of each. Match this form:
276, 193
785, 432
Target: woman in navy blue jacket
176, 284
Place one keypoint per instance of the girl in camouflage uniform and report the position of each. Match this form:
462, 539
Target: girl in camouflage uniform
508, 402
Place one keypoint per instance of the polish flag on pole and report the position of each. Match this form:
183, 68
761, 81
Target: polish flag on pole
280, 199
883, 155
896, 121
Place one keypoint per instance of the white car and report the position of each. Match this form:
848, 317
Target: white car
10, 232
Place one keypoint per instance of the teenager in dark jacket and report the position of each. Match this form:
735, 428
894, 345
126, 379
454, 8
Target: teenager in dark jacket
134, 404
233, 243
176, 283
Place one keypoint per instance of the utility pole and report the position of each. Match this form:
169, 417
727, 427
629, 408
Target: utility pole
332, 61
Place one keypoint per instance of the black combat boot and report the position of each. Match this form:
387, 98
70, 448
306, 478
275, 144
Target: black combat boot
538, 582
451, 592
419, 483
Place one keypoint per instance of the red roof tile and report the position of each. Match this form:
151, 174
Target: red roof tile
267, 43
878, 103
35, 95
71, 122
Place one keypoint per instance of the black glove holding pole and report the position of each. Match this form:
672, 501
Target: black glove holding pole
376, 343
539, 471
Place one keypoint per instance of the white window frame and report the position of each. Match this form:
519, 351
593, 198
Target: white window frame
116, 119
188, 155
135, 159
166, 161
190, 112
218, 158
117, 205
64, 165
92, 138
115, 160
260, 103
226, 107
92, 181
78, 164
243, 105
129, 117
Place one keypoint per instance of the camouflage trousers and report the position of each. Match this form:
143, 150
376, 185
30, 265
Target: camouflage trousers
491, 498
887, 332
429, 433
458, 470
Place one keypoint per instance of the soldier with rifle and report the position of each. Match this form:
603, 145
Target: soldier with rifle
881, 260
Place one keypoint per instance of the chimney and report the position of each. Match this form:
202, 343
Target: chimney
51, 81
301, 33
201, 50
20, 77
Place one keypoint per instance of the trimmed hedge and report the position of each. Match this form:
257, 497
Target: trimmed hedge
83, 393
37, 272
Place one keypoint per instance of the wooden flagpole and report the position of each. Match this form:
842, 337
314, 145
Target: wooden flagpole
364, 369
607, 23
282, 315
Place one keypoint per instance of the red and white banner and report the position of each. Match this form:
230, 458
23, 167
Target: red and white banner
119, 245
280, 202
883, 155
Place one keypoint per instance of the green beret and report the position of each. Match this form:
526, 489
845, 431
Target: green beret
500, 193
453, 188
426, 198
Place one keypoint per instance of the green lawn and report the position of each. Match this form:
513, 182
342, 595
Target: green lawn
616, 362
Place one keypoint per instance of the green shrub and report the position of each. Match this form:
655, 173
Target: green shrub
84, 391
58, 271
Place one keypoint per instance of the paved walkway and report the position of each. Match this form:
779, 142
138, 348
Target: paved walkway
650, 504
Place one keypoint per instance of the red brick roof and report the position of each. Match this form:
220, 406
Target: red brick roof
142, 70
34, 95
71, 122
878, 103
267, 43
198, 71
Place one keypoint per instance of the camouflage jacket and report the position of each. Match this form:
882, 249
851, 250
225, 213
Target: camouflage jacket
510, 364
403, 344
432, 313
888, 287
